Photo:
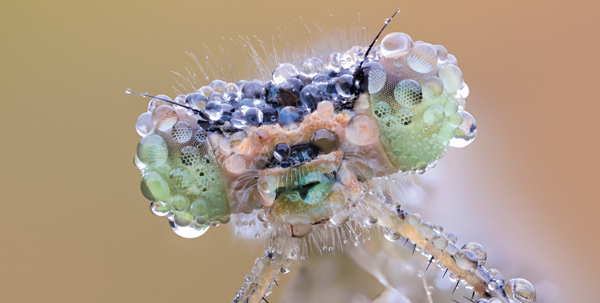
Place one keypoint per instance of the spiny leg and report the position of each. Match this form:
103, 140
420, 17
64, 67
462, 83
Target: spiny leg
466, 262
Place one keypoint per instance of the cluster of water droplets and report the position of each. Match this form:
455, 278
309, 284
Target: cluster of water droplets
470, 257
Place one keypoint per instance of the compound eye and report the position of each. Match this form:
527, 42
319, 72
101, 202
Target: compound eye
416, 96
325, 140
180, 174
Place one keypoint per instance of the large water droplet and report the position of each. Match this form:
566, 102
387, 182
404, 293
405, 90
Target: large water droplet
391, 235
434, 115
478, 250
154, 187
376, 77
182, 132
408, 93
466, 259
290, 118
333, 62
343, 85
283, 72
311, 67
451, 76
396, 44
159, 208
144, 125
152, 150
432, 87
214, 110
463, 91
422, 58
164, 117
466, 131
189, 232
521, 291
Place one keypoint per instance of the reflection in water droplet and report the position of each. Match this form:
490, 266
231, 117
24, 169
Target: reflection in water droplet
311, 67
144, 125
466, 131
451, 76
377, 77
422, 58
189, 232
396, 44
521, 291
478, 250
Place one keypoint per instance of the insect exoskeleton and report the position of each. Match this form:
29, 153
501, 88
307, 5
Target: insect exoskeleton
303, 145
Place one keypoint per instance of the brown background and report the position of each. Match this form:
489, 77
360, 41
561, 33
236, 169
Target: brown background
76, 229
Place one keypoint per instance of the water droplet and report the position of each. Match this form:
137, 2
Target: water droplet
144, 125
206, 91
180, 202
391, 235
290, 118
152, 150
238, 119
310, 96
362, 130
164, 117
262, 216
253, 90
371, 220
154, 187
463, 91
269, 115
180, 178
377, 77
432, 87
466, 132
196, 100
408, 93
478, 250
422, 58
333, 62
182, 132
440, 242
311, 67
414, 219
349, 59
451, 76
157, 102
430, 290
189, 232
466, 259
254, 117
521, 291
159, 208
283, 72
343, 85
218, 86
214, 110
396, 44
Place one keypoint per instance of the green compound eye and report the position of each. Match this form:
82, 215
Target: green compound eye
417, 98
181, 175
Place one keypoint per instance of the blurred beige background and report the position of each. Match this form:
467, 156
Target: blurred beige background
76, 229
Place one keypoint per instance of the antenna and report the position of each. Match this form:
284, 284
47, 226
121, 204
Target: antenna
128, 91
387, 21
